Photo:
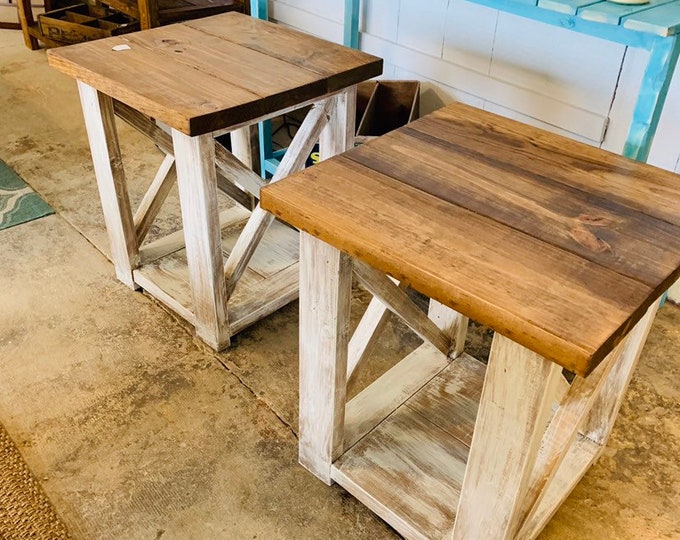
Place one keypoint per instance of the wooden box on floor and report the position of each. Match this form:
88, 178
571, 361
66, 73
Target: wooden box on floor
385, 105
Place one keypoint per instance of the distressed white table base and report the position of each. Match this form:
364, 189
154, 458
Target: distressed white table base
187, 270
442, 446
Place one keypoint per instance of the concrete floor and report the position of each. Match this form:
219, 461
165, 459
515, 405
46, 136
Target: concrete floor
138, 431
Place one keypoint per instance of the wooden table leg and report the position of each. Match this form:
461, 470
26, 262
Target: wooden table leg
511, 489
325, 294
108, 167
577, 451
197, 182
26, 20
454, 324
510, 423
338, 134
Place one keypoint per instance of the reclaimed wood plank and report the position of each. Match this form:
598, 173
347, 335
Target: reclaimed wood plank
391, 390
366, 334
409, 472
451, 399
528, 190
600, 421
579, 458
596, 427
27, 22
292, 161
156, 85
108, 165
353, 208
154, 197
340, 66
568, 7
161, 282
563, 429
451, 323
638, 186
399, 303
253, 301
151, 75
197, 182
175, 241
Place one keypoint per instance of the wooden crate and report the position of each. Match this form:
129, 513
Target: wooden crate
84, 22
385, 105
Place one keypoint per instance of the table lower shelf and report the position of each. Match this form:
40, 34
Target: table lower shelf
270, 281
409, 469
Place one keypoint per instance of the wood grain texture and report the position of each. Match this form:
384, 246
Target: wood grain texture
396, 299
579, 458
409, 472
408, 469
234, 77
325, 293
197, 182
452, 323
451, 400
293, 161
113, 193
391, 390
592, 404
154, 197
513, 410
599, 423
366, 334
554, 244
252, 302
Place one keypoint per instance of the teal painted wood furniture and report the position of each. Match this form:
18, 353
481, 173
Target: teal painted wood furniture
653, 26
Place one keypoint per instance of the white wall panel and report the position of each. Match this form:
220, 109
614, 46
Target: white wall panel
313, 24
380, 18
665, 152
570, 67
469, 35
544, 107
624, 99
421, 25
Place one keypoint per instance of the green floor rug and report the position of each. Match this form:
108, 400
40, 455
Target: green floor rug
18, 202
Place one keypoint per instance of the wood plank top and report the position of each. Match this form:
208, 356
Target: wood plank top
209, 74
557, 245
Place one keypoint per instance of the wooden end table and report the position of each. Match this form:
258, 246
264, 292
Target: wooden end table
204, 78
561, 248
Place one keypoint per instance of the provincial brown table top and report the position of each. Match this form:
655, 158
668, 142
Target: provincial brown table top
555, 244
210, 74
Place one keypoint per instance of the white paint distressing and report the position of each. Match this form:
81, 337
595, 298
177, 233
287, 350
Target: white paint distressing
325, 294
293, 161
197, 182
108, 167
514, 406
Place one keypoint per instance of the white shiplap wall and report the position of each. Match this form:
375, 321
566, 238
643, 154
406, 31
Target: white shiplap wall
569, 83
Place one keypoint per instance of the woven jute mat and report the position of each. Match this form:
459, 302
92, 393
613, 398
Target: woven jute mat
25, 511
